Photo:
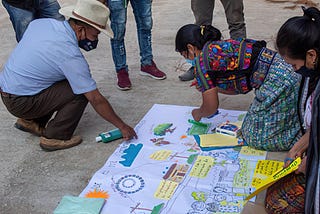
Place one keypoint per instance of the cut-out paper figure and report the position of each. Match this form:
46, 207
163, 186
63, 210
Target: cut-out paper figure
130, 154
159, 141
96, 193
156, 209
162, 129
176, 172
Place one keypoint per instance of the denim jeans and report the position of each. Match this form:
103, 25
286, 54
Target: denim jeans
21, 18
143, 18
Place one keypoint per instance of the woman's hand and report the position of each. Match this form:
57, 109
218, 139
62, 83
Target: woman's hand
302, 166
298, 149
196, 114
210, 103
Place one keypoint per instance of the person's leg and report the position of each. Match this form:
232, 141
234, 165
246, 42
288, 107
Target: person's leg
202, 11
68, 111
48, 9
235, 18
118, 18
143, 16
69, 108
20, 19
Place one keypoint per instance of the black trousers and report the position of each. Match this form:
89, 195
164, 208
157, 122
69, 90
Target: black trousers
58, 98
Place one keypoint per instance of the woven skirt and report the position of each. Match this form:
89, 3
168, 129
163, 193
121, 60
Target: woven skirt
286, 195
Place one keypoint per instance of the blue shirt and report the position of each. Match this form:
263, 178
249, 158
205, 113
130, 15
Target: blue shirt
47, 53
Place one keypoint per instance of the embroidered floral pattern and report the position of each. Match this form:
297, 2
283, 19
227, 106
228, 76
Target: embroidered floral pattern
221, 64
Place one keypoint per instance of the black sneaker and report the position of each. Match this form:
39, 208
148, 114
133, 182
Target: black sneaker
188, 75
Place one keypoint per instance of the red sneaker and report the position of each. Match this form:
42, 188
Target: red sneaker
124, 82
152, 71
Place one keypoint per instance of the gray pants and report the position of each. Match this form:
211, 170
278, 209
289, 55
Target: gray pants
203, 13
57, 98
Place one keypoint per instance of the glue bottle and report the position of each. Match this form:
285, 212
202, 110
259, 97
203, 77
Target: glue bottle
106, 137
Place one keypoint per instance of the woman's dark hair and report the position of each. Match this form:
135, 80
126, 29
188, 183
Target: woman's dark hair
300, 34
195, 35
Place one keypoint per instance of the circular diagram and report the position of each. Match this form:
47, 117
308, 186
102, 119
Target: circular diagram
130, 184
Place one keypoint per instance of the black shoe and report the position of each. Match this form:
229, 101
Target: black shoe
188, 75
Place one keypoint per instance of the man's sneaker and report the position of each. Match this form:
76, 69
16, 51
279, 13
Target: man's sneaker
188, 75
152, 71
29, 126
124, 82
54, 144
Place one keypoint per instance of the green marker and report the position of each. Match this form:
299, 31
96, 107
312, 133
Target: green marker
109, 136
197, 123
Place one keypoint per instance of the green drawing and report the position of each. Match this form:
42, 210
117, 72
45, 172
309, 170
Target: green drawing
198, 196
191, 158
161, 129
157, 209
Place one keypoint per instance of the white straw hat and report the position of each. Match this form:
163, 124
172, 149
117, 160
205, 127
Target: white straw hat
92, 12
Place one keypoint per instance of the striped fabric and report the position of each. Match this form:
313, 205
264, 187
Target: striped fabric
272, 121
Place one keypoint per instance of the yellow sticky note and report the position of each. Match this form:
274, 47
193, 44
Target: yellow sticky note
264, 169
275, 177
160, 155
202, 166
247, 150
211, 140
166, 189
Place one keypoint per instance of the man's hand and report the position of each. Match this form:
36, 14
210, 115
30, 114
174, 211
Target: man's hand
105, 110
128, 133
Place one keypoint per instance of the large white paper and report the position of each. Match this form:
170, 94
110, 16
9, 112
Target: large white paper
164, 168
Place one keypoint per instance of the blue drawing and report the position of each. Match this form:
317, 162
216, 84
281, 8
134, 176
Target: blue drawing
130, 154
130, 184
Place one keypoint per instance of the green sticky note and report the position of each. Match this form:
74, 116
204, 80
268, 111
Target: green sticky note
199, 129
79, 205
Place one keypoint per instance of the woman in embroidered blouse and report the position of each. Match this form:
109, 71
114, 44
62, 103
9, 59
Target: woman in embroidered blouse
236, 67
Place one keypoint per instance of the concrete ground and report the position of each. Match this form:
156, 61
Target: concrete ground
34, 181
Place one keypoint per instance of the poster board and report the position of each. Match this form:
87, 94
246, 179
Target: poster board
165, 171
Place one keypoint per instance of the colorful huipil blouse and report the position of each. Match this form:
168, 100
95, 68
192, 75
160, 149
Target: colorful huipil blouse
237, 66
225, 64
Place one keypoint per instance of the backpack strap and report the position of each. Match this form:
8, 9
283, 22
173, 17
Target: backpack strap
261, 67
245, 54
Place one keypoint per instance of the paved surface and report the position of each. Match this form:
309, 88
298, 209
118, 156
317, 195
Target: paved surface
33, 181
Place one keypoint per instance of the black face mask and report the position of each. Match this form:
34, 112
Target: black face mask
306, 72
87, 44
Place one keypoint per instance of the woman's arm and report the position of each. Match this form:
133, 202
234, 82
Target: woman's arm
210, 104
298, 148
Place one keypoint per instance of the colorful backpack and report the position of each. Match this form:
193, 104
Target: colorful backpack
227, 64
